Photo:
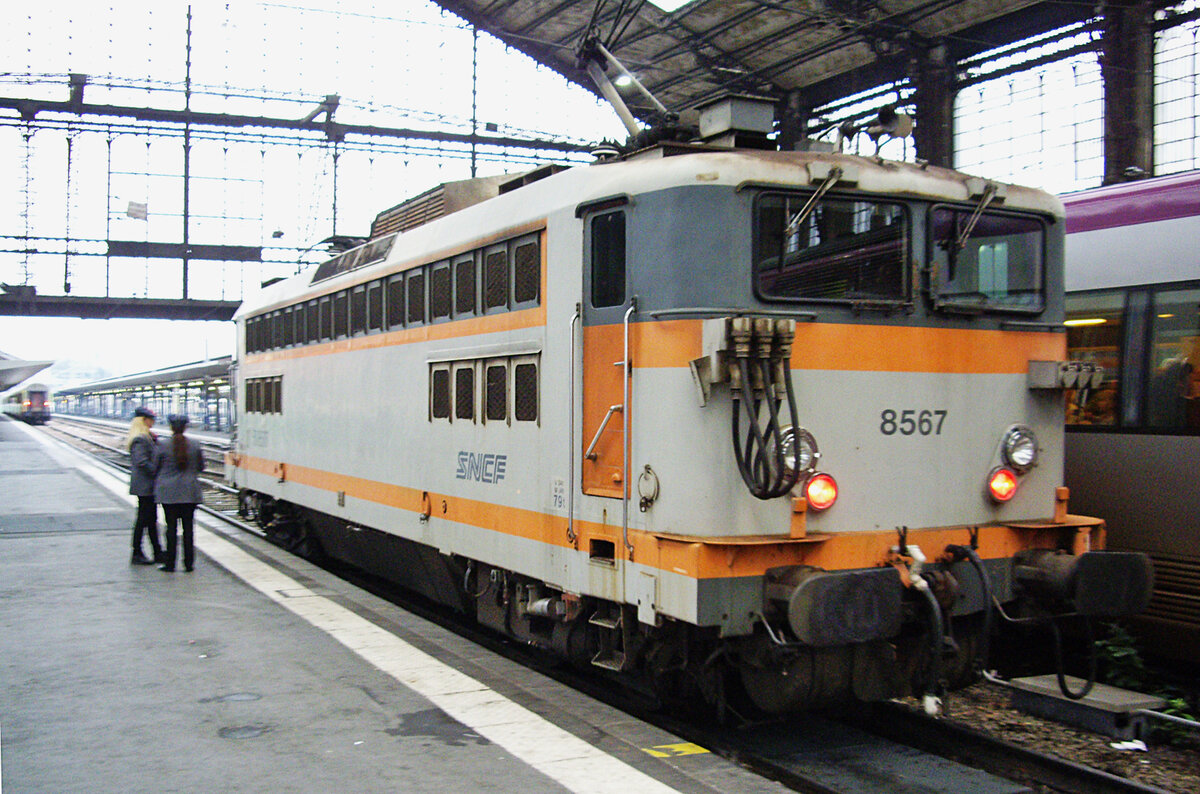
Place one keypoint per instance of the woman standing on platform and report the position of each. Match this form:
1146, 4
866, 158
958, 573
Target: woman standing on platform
142, 445
177, 488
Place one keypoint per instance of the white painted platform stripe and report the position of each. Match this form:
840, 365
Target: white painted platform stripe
559, 755
556, 753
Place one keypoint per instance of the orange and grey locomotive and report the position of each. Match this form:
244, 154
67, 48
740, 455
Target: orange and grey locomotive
776, 427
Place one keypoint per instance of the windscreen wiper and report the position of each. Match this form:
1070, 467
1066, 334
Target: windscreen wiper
990, 190
835, 173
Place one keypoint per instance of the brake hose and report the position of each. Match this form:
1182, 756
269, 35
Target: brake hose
1060, 674
981, 653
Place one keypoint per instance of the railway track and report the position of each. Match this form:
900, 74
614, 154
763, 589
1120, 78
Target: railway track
878, 749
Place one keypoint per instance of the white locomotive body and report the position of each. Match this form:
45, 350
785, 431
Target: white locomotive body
791, 416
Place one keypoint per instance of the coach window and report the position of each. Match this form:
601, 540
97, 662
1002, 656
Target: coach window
608, 259
527, 271
439, 392
375, 306
495, 279
277, 395
276, 330
341, 312
439, 292
496, 392
416, 296
1173, 393
395, 302
525, 392
298, 330
326, 318
464, 286
464, 391
1095, 330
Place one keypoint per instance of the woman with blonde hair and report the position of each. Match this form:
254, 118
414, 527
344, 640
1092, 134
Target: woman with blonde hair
142, 445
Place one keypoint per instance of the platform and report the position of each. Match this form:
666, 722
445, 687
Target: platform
259, 672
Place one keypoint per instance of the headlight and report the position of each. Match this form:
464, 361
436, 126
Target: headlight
1020, 449
800, 451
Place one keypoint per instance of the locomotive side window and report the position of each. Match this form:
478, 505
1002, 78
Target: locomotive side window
326, 318
990, 261
439, 293
495, 279
288, 328
416, 297
375, 306
314, 330
464, 287
358, 311
264, 395
439, 397
340, 314
525, 393
395, 302
840, 250
464, 392
496, 397
527, 272
608, 259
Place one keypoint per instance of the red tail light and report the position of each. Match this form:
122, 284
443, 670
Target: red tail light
1002, 484
821, 492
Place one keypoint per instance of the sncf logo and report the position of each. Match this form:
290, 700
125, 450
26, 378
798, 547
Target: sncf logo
481, 467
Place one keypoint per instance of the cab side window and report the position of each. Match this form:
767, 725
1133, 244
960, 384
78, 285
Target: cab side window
608, 259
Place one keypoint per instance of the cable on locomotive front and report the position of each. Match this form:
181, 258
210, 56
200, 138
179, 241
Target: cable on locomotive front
761, 374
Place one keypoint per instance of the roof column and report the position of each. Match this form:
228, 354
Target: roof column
1127, 68
933, 76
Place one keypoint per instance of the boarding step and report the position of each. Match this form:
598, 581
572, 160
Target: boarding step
611, 636
610, 660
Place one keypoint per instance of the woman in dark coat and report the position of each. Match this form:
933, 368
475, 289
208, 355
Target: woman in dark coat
143, 458
177, 489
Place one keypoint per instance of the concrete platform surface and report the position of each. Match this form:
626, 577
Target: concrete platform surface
261, 673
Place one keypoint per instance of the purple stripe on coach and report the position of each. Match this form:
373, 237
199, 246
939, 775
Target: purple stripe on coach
1158, 199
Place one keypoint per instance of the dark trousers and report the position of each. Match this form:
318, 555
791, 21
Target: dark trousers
176, 514
146, 521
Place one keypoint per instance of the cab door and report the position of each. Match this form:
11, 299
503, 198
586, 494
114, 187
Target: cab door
606, 298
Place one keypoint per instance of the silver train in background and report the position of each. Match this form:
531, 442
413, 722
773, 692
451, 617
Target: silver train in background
1133, 442
770, 429
32, 404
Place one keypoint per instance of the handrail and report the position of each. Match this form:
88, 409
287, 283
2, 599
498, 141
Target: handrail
612, 409
717, 311
571, 431
627, 411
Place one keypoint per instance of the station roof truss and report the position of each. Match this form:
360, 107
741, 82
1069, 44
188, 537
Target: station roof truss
823, 49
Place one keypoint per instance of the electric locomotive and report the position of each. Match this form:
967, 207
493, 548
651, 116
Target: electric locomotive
755, 426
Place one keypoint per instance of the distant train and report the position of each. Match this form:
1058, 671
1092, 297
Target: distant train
1133, 441
33, 404
773, 429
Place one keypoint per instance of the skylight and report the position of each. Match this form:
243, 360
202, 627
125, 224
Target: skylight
669, 5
